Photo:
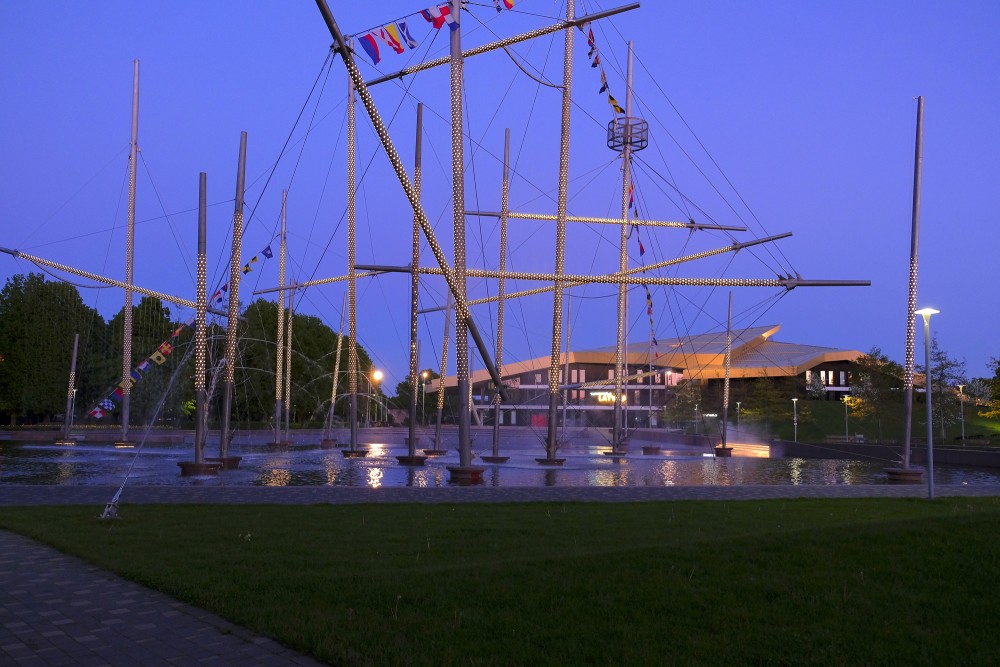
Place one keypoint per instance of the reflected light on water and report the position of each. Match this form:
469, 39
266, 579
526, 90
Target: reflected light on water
276, 477
795, 471
667, 472
750, 449
376, 450
332, 471
374, 477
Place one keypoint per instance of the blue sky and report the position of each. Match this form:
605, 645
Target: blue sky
784, 116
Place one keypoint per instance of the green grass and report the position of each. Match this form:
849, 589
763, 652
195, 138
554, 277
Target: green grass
784, 582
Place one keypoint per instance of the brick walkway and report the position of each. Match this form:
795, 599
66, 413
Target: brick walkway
58, 610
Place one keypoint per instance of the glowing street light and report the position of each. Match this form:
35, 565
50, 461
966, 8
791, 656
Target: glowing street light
795, 420
926, 314
423, 397
376, 378
961, 405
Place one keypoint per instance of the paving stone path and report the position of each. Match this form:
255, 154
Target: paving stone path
58, 610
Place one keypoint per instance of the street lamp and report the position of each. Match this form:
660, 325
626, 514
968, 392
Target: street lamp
697, 420
737, 415
846, 431
377, 378
795, 420
926, 314
961, 407
423, 398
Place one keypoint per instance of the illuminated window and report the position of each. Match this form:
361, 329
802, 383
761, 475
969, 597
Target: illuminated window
611, 374
583, 375
538, 378
843, 378
572, 375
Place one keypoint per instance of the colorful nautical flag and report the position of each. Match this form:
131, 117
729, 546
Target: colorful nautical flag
267, 252
448, 18
135, 375
390, 36
509, 4
404, 33
631, 197
178, 331
117, 394
590, 36
158, 358
433, 16
165, 348
107, 405
604, 82
614, 104
371, 47
143, 367
597, 60
248, 267
642, 249
97, 413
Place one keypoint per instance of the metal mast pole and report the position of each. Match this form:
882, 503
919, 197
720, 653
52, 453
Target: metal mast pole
725, 386
329, 441
71, 392
201, 401
288, 364
462, 315
569, 324
352, 281
911, 303
501, 287
444, 367
133, 157
622, 312
415, 291
279, 344
234, 303
560, 259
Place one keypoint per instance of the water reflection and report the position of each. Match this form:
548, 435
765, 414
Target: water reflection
302, 465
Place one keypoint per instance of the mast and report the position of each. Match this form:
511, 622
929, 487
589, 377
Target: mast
329, 440
279, 345
501, 289
352, 281
133, 157
444, 367
71, 391
201, 400
234, 303
725, 386
911, 303
415, 291
622, 313
569, 325
288, 364
551, 444
464, 472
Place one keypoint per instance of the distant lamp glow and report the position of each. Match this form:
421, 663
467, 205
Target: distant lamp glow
795, 420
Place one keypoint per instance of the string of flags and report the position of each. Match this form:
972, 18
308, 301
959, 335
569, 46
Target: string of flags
594, 55
396, 36
642, 251
158, 358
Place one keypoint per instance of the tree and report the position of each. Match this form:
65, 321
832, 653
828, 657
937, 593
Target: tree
992, 410
816, 389
38, 320
681, 406
876, 382
946, 373
403, 394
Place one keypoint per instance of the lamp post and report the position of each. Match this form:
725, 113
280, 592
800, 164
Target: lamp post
697, 420
846, 431
795, 420
377, 379
737, 416
926, 314
423, 397
961, 408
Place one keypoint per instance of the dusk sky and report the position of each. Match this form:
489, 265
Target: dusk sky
779, 116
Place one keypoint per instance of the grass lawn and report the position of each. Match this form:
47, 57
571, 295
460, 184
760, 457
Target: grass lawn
782, 582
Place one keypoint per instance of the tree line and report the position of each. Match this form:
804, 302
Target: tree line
38, 321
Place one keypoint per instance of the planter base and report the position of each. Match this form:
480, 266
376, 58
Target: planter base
411, 460
227, 462
905, 475
435, 452
192, 469
354, 453
327, 443
650, 451
495, 459
125, 444
550, 462
723, 452
466, 475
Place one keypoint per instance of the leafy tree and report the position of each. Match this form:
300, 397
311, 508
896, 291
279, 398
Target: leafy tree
992, 410
946, 373
403, 394
816, 389
681, 406
151, 328
876, 382
38, 320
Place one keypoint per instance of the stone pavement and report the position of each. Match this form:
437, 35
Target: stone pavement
58, 610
